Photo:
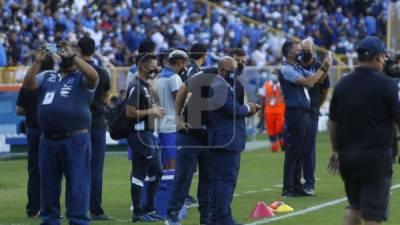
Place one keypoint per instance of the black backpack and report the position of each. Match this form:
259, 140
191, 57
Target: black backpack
120, 126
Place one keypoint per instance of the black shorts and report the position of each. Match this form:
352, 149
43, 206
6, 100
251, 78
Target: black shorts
371, 197
143, 144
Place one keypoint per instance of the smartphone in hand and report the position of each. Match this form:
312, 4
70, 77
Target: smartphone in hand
51, 48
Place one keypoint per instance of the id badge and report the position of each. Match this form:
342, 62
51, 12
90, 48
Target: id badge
48, 98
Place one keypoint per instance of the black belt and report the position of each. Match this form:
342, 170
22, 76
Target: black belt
58, 137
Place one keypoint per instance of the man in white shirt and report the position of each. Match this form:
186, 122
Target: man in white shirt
168, 84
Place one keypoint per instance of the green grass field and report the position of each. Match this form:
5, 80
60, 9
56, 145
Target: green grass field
260, 177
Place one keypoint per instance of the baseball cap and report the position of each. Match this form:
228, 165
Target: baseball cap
371, 45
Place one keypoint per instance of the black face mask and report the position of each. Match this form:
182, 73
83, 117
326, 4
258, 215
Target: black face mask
300, 57
153, 73
240, 69
182, 71
307, 56
66, 62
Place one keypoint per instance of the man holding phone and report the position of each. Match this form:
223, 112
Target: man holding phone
295, 81
65, 148
318, 95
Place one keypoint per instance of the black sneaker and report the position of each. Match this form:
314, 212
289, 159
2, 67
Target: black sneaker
172, 219
143, 218
289, 194
32, 215
190, 201
205, 222
302, 192
309, 191
99, 217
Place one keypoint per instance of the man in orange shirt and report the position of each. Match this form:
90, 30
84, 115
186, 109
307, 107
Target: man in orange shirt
274, 111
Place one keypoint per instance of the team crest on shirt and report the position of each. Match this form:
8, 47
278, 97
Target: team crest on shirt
66, 88
52, 78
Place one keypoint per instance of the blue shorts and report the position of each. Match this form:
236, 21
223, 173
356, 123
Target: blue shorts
167, 146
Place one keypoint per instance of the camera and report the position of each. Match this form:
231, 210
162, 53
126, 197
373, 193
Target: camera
52, 48
392, 66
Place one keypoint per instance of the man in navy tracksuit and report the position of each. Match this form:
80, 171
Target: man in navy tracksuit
98, 130
198, 56
318, 95
142, 109
192, 142
27, 106
226, 138
294, 81
65, 119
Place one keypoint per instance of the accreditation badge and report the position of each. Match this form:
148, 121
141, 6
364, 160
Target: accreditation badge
48, 98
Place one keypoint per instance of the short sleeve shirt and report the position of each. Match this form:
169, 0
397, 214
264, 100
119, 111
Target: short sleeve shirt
140, 96
365, 105
295, 95
64, 103
168, 82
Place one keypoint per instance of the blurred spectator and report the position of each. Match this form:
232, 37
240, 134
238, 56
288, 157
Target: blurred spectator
119, 26
3, 55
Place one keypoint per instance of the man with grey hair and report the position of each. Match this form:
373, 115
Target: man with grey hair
295, 80
168, 84
226, 138
317, 95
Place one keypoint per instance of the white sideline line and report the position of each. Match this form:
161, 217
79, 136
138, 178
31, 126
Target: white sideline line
307, 210
250, 192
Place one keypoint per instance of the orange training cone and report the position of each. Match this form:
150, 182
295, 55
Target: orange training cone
261, 210
276, 204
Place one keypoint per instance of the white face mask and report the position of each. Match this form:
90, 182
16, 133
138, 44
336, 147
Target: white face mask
231, 34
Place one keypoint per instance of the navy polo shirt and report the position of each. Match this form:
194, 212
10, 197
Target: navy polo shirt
315, 91
64, 103
296, 96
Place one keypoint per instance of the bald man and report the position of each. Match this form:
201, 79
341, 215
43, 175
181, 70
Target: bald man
317, 95
226, 138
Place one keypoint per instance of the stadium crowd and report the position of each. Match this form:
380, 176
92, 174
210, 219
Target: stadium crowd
119, 26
